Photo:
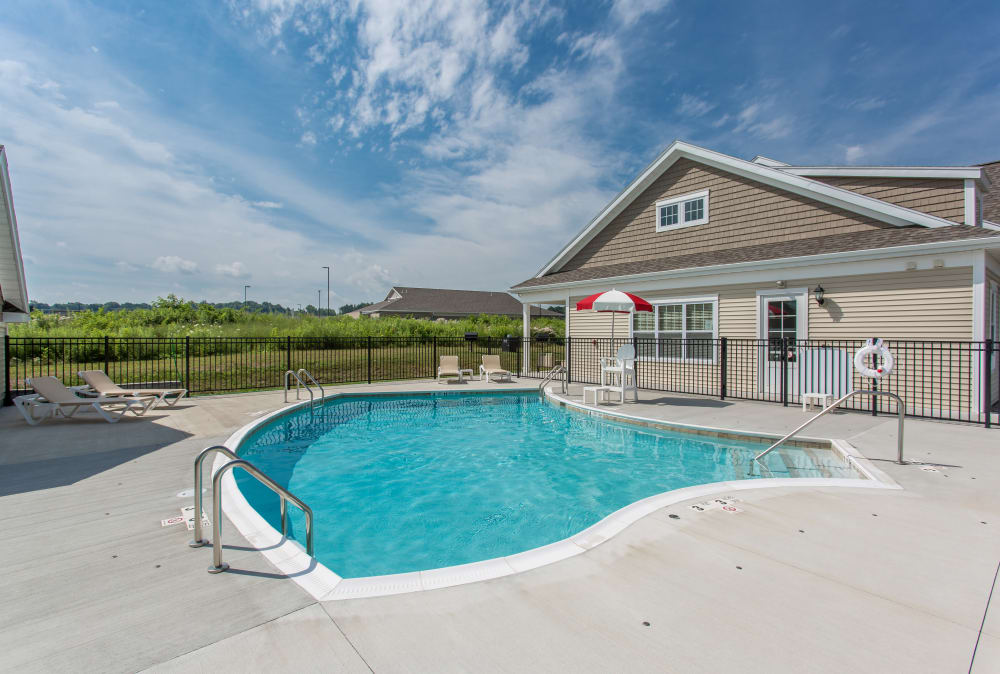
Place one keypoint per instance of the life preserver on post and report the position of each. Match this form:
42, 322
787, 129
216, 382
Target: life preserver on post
874, 347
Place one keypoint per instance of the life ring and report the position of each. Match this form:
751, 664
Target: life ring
874, 347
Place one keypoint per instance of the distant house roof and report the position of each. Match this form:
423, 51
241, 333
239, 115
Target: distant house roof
402, 300
13, 290
836, 243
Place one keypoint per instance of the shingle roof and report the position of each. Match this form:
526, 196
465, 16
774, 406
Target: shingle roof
441, 301
836, 243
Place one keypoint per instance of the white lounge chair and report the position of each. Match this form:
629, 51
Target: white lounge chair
449, 367
491, 367
622, 367
52, 399
102, 384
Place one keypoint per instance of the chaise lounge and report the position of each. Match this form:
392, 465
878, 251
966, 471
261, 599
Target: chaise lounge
52, 398
102, 384
449, 367
491, 368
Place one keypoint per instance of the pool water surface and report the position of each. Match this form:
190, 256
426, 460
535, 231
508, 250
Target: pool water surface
422, 481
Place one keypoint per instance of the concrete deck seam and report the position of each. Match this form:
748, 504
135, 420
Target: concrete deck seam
982, 625
340, 629
266, 622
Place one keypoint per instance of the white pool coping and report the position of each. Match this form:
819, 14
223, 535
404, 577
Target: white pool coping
290, 557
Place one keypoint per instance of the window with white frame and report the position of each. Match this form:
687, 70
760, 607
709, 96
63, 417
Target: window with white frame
677, 331
682, 211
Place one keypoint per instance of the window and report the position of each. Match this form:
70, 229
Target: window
677, 328
683, 211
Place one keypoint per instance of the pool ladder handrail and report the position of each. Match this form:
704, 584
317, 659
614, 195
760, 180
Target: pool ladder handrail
900, 405
218, 565
300, 383
558, 369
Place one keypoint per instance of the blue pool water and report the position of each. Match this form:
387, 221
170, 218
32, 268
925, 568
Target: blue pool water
407, 483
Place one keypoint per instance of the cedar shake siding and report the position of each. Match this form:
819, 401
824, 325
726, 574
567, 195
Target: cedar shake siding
991, 199
943, 197
742, 212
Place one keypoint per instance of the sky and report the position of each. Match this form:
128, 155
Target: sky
195, 147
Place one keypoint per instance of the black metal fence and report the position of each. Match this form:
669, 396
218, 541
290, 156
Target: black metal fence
941, 380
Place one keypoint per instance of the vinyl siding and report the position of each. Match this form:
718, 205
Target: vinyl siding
942, 197
3, 362
742, 212
909, 305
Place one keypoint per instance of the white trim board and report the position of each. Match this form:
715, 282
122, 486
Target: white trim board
776, 177
953, 253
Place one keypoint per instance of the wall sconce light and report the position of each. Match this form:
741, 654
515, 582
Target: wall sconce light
818, 294
780, 284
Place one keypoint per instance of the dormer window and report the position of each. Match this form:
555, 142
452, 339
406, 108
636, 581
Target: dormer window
682, 211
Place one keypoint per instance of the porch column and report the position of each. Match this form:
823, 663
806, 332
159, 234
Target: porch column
526, 339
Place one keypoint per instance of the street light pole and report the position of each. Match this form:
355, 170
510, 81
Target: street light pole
245, 297
319, 302
327, 290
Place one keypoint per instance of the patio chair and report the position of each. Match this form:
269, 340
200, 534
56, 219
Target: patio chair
621, 366
52, 399
102, 384
491, 367
449, 368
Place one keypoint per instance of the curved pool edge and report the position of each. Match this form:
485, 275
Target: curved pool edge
290, 558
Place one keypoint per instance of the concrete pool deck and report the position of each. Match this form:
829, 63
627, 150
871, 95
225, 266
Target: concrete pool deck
803, 579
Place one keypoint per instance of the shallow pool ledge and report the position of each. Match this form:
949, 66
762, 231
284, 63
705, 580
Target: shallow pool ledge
323, 584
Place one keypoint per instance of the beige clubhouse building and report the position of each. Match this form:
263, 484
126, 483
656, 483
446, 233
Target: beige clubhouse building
725, 247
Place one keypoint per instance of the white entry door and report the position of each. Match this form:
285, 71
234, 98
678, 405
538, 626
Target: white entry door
782, 316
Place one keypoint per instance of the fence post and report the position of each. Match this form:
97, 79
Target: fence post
784, 371
369, 359
107, 352
723, 368
875, 399
635, 350
187, 363
8, 398
988, 381
569, 352
288, 353
435, 359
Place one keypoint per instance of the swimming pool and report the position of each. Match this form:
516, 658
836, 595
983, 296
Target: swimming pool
412, 482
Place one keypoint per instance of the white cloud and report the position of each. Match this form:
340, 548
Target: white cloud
270, 205
853, 153
630, 11
235, 269
172, 264
867, 104
692, 106
94, 49
308, 138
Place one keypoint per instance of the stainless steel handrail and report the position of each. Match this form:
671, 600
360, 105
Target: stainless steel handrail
218, 566
322, 393
298, 386
899, 404
198, 540
558, 369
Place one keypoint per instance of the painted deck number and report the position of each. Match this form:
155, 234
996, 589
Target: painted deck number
725, 504
186, 516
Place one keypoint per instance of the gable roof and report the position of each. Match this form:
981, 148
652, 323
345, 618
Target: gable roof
821, 245
403, 300
763, 171
13, 289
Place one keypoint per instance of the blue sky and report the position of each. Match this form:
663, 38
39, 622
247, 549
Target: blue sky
194, 147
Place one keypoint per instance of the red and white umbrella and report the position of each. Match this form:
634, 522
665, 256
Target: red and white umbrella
614, 301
